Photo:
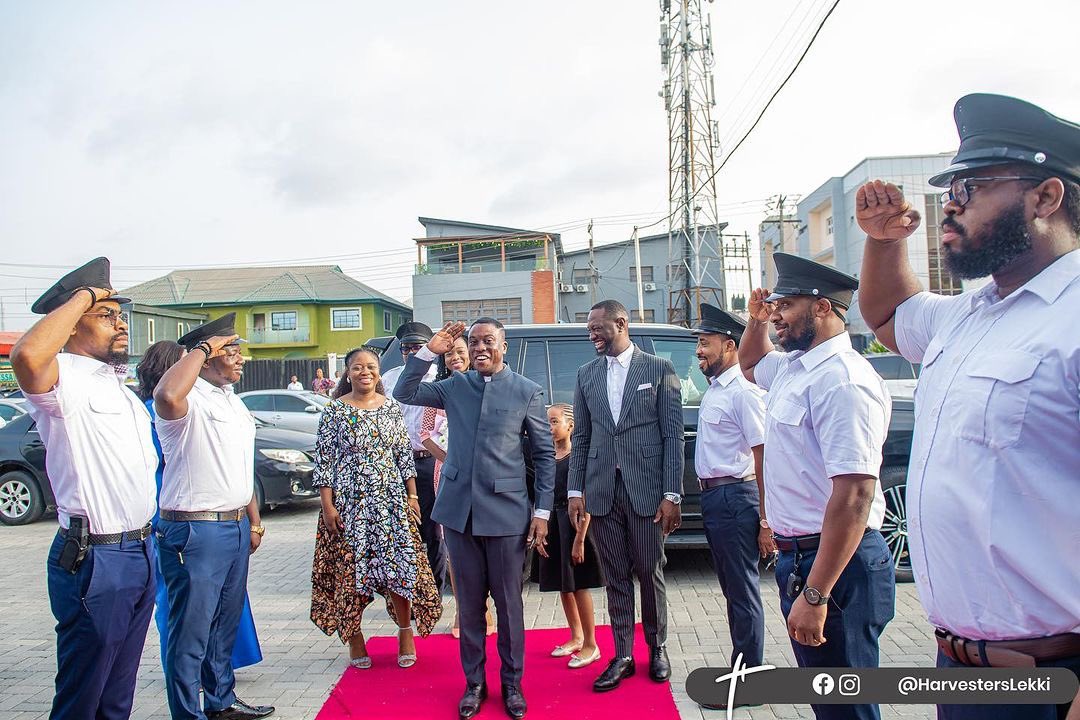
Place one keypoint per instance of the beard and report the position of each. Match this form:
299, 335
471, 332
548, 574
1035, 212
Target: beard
801, 340
1006, 239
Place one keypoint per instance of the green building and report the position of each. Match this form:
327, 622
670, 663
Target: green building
302, 311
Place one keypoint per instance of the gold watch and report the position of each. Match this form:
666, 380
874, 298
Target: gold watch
258, 530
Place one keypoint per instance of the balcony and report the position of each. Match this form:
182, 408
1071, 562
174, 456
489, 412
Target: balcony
482, 266
262, 336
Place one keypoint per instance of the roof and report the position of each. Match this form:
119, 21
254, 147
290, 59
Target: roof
487, 230
651, 238
253, 285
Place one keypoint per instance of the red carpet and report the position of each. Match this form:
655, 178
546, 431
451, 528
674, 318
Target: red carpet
432, 687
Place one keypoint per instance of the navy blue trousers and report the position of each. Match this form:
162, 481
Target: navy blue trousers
205, 565
863, 602
102, 612
1006, 712
730, 515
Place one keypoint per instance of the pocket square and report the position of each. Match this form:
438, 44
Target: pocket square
644, 386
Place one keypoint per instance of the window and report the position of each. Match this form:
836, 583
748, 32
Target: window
566, 357
535, 365
681, 354
650, 316
513, 350
387, 321
828, 226
290, 403
259, 403
646, 273
258, 321
505, 310
150, 339
283, 320
941, 281
345, 319
581, 276
582, 317
179, 330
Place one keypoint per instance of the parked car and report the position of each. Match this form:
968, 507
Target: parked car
11, 409
290, 409
551, 355
899, 374
283, 469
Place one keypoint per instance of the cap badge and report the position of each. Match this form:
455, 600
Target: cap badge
1040, 157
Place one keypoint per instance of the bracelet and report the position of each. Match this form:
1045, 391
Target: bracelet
93, 295
414, 497
205, 347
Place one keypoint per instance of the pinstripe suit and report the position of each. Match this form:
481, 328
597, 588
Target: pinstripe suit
624, 469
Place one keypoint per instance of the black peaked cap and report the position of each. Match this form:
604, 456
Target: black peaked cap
93, 274
798, 276
414, 332
716, 321
222, 327
997, 130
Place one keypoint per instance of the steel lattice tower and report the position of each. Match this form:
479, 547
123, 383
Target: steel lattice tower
695, 259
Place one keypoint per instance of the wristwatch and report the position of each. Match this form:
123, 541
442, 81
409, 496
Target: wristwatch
763, 523
258, 530
814, 597
673, 497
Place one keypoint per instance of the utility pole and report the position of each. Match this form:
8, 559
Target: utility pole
592, 266
637, 274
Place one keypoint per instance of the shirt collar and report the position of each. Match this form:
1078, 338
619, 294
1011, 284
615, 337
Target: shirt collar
1047, 285
813, 357
622, 358
207, 387
725, 378
93, 366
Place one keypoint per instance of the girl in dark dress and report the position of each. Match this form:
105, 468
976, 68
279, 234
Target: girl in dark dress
572, 567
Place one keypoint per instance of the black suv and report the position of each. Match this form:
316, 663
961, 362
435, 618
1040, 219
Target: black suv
550, 355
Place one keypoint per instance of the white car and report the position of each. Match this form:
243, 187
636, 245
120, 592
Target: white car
291, 409
11, 409
900, 376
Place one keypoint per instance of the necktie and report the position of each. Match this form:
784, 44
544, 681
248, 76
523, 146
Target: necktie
615, 388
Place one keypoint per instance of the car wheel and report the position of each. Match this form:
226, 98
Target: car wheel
21, 502
895, 525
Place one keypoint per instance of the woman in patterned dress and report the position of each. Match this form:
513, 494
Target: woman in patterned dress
368, 538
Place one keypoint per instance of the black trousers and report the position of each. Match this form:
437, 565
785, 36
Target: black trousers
429, 529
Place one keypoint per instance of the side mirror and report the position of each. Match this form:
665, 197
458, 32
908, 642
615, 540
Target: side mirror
313, 409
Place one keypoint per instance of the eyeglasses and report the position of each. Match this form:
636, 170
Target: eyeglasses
411, 347
960, 189
110, 316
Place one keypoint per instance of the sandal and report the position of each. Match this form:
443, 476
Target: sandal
405, 660
361, 663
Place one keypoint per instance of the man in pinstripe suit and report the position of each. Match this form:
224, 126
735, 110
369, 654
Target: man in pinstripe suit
626, 470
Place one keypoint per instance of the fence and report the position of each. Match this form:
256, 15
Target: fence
274, 374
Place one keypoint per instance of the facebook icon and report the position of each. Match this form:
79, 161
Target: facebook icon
823, 683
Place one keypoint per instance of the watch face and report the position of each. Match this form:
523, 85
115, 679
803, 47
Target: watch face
764, 523
813, 596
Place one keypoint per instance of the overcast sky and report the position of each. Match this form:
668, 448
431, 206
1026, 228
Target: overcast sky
207, 133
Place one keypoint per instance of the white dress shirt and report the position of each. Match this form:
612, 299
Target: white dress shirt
413, 414
993, 489
827, 415
209, 453
617, 366
294, 386
731, 421
101, 458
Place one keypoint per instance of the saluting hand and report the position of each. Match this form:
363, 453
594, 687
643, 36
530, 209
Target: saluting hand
883, 213
443, 341
218, 342
759, 309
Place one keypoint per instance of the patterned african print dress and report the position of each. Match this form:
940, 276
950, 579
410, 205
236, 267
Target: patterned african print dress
365, 456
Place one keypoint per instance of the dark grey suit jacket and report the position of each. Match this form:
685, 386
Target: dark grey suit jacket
646, 445
484, 472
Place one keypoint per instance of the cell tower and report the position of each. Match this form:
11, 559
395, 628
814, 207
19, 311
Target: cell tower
695, 257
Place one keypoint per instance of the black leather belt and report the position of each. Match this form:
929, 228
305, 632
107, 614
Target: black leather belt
1007, 653
115, 538
709, 483
182, 516
802, 542
421, 454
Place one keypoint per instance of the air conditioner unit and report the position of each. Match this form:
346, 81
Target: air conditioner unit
563, 287
583, 288
648, 286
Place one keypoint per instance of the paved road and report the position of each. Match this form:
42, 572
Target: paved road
301, 664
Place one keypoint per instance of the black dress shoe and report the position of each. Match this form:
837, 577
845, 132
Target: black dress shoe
513, 701
240, 710
616, 671
474, 697
659, 667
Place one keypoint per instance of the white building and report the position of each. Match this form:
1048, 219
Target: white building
829, 234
